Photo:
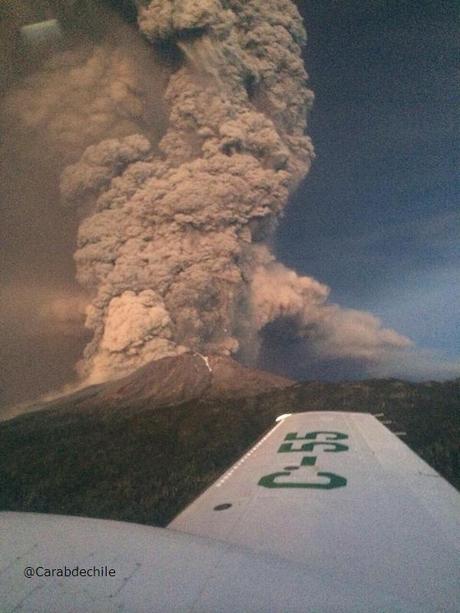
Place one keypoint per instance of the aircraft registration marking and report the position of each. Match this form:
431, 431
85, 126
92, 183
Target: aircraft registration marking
326, 441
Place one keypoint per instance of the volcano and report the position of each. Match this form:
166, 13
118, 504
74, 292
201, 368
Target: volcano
169, 381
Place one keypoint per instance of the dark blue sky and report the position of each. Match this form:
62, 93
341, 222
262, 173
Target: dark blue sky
378, 217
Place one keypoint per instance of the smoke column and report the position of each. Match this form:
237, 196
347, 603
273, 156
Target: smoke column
175, 248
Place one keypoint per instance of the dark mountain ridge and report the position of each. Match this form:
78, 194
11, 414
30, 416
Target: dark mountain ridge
169, 381
141, 448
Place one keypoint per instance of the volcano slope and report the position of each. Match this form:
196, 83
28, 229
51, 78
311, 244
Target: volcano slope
139, 449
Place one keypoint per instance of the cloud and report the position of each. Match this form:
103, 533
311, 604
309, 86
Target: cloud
327, 330
96, 87
40, 309
416, 364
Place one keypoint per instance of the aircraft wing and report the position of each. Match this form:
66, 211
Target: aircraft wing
342, 494
327, 512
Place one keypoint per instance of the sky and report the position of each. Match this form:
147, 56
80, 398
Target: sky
377, 218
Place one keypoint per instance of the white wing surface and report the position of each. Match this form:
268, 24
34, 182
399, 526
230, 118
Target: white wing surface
341, 493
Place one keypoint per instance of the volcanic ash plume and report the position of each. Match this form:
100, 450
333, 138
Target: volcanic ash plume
175, 249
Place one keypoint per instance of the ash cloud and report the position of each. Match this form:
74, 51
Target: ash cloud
280, 297
95, 83
176, 153
174, 247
